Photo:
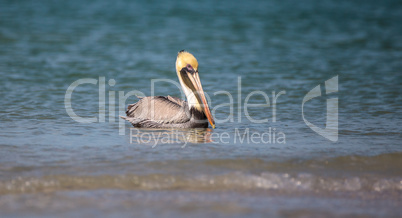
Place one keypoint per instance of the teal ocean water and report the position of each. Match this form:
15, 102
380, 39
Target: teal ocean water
52, 165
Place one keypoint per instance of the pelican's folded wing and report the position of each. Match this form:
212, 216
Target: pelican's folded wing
177, 100
156, 111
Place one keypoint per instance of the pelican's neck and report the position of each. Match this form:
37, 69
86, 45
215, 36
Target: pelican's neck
192, 100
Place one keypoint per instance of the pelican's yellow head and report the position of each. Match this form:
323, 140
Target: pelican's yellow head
187, 71
184, 59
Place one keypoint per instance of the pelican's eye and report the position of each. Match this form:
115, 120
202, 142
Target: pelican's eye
190, 69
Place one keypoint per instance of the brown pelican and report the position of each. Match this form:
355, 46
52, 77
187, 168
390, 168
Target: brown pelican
165, 112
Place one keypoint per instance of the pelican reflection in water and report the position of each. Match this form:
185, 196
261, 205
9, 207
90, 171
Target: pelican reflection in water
156, 137
167, 111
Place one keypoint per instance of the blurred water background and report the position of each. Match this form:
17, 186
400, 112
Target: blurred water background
52, 165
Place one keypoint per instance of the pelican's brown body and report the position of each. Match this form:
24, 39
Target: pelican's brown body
167, 112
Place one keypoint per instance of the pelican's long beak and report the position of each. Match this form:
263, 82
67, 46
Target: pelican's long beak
195, 80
